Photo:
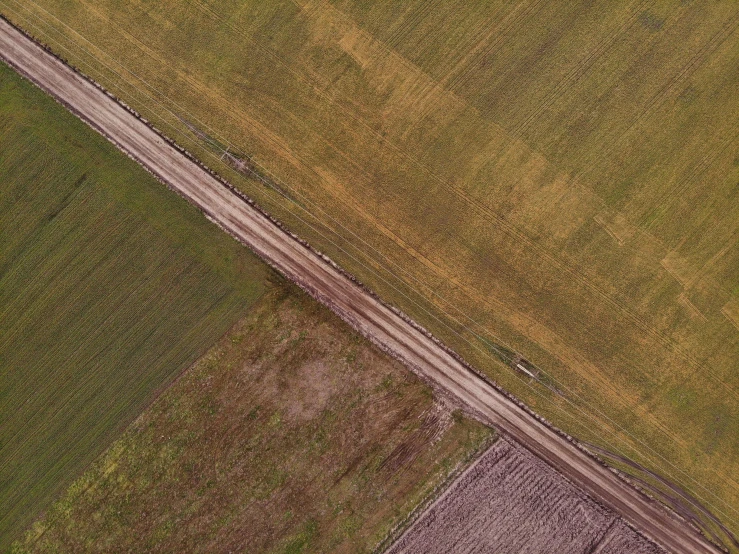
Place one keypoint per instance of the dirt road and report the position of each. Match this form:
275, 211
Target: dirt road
354, 304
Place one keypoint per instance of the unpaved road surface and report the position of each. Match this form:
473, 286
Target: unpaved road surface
510, 502
367, 314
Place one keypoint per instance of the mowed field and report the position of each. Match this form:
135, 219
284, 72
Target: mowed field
110, 286
292, 434
553, 180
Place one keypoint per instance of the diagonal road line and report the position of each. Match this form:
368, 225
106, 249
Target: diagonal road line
383, 325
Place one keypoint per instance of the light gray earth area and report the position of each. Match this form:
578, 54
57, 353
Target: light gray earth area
511, 502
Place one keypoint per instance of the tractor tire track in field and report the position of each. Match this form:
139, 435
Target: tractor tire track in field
383, 325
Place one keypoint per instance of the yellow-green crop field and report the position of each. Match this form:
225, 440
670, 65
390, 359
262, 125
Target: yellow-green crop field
555, 180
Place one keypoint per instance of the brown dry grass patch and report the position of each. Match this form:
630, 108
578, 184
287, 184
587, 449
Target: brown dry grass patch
293, 434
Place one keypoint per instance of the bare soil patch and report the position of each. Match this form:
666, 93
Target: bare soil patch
512, 502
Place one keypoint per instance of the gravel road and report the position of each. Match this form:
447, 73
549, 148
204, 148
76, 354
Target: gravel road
354, 304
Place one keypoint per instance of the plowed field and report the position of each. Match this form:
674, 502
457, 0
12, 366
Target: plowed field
510, 502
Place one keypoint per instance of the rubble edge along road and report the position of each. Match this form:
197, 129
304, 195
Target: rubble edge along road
382, 325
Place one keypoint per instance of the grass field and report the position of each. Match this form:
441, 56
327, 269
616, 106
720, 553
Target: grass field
555, 179
110, 286
291, 435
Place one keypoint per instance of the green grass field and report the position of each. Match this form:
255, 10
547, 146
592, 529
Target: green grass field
559, 178
291, 435
110, 286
